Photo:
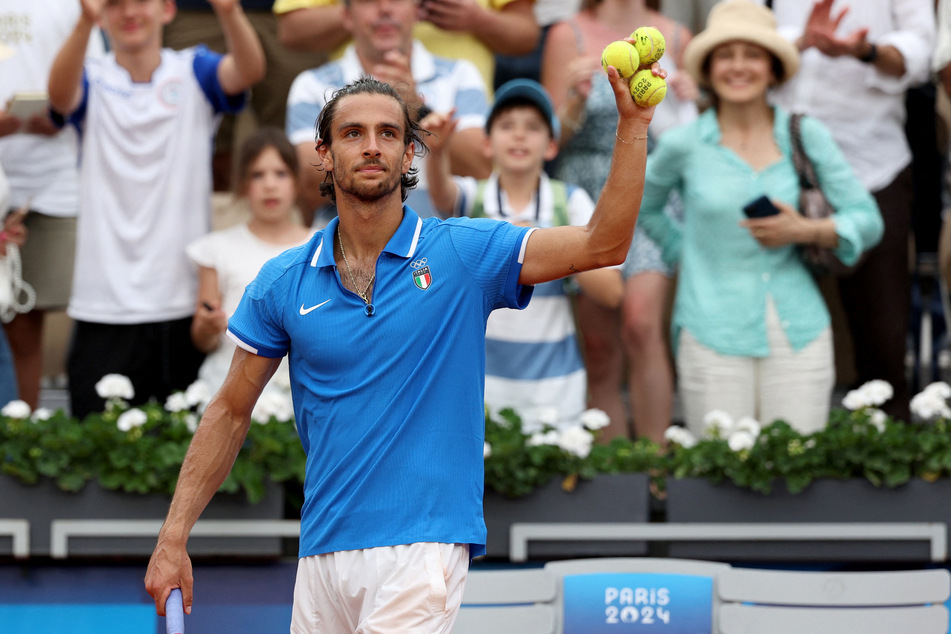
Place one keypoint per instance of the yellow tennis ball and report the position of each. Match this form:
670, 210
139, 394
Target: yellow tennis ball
650, 44
622, 56
648, 89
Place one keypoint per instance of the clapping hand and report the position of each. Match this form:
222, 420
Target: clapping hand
820, 32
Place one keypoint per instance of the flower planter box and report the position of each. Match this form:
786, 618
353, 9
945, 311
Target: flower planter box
698, 500
607, 498
44, 502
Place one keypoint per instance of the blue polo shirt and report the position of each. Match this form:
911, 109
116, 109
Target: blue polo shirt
389, 405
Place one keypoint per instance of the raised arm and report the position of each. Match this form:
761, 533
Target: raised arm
442, 190
509, 30
210, 457
243, 65
313, 29
66, 74
559, 251
566, 75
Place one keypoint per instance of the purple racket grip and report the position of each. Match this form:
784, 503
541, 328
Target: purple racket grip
174, 613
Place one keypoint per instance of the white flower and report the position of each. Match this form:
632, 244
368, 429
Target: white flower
549, 437
741, 441
927, 405
576, 440
940, 388
680, 436
877, 391
273, 403
854, 400
717, 423
870, 394
115, 386
546, 416
877, 417
176, 402
41, 414
486, 450
191, 421
282, 380
131, 418
16, 409
595, 419
749, 425
198, 394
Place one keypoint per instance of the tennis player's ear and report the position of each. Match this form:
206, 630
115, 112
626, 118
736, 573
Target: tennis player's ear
325, 156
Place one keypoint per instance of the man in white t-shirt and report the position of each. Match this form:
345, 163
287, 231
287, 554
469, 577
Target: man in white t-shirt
147, 117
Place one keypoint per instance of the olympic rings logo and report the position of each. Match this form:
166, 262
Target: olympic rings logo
418, 264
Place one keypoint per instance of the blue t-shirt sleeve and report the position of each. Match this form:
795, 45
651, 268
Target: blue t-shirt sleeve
79, 114
205, 65
257, 324
492, 251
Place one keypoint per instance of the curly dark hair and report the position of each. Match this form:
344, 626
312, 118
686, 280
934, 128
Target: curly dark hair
367, 85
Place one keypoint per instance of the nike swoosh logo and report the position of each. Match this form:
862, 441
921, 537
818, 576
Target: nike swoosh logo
304, 311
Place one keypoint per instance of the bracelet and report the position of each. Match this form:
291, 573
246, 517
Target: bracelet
637, 138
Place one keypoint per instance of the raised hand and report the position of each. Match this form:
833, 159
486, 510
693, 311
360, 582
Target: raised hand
92, 9
440, 126
820, 32
450, 15
395, 70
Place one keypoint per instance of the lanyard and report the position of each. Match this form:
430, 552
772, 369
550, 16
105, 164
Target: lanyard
538, 200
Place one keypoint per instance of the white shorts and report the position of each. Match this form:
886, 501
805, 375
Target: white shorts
411, 588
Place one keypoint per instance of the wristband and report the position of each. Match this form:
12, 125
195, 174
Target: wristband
870, 57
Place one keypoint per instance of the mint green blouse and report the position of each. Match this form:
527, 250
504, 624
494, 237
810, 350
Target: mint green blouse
725, 275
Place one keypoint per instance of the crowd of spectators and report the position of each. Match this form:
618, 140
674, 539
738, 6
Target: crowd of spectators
116, 177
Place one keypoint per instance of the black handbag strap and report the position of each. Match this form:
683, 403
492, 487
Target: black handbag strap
804, 168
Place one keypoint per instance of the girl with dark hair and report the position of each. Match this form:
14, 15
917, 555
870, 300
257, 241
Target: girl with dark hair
229, 259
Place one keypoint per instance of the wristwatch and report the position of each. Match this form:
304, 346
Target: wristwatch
869, 57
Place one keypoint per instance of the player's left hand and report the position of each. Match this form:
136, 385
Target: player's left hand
787, 227
626, 106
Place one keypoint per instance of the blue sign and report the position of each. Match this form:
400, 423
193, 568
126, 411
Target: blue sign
629, 603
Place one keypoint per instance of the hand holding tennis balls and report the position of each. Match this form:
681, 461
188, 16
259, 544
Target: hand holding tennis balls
650, 44
623, 56
633, 62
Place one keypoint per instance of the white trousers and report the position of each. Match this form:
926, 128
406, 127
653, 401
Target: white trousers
788, 385
407, 589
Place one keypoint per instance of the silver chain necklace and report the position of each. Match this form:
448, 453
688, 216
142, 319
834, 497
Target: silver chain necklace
363, 295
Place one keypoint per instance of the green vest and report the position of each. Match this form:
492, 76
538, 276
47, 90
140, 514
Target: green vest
559, 194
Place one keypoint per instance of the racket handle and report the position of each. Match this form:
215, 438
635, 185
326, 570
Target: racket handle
174, 613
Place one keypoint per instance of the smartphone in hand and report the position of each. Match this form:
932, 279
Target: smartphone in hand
760, 208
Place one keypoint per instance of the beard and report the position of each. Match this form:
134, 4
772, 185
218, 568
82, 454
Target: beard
367, 191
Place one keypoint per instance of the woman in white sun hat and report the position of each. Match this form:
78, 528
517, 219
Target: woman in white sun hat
751, 332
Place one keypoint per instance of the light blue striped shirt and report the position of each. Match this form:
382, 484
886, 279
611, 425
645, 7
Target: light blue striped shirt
444, 84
